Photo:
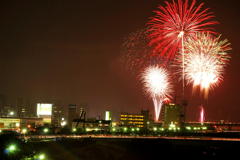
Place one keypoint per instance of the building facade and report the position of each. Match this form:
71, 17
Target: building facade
44, 111
108, 116
57, 115
172, 114
132, 120
72, 114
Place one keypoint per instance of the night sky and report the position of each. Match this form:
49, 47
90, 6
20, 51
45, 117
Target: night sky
70, 51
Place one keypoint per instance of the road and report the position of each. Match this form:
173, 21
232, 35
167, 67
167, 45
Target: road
54, 137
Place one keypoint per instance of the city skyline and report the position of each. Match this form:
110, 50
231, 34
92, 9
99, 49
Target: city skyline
71, 52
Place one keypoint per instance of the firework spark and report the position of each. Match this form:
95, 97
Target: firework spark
175, 23
205, 59
137, 54
157, 86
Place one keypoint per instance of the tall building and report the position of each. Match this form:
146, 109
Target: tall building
21, 108
162, 113
2, 104
108, 116
57, 115
9, 111
72, 114
146, 117
25, 108
172, 114
82, 113
82, 107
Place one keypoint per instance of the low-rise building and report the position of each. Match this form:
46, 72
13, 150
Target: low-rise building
7, 123
91, 125
132, 120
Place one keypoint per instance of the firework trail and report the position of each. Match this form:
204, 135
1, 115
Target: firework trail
205, 60
157, 86
202, 115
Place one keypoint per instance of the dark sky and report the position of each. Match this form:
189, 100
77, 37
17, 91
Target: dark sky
70, 50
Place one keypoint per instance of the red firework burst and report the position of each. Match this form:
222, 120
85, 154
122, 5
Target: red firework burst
137, 54
176, 22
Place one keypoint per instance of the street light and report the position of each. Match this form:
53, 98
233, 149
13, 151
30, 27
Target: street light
161, 129
17, 124
11, 113
74, 129
188, 128
204, 128
45, 130
24, 131
113, 129
63, 123
40, 156
11, 148
172, 126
